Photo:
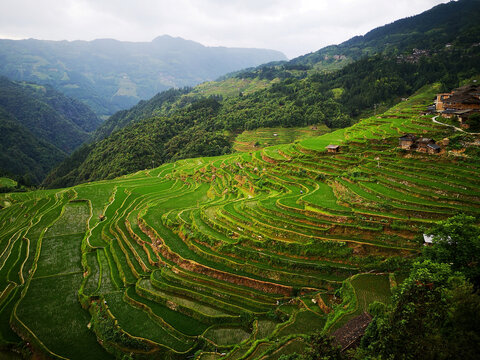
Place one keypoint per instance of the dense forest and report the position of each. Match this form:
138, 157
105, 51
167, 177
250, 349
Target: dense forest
40, 127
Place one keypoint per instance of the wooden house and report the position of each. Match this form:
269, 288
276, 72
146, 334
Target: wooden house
406, 141
463, 98
422, 144
433, 148
333, 148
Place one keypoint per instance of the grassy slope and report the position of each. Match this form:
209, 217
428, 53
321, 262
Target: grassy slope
227, 252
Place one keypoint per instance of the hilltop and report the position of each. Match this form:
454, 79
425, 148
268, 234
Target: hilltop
105, 73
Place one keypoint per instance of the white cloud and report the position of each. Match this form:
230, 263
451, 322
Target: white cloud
294, 27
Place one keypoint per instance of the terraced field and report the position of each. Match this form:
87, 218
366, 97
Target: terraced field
232, 257
251, 140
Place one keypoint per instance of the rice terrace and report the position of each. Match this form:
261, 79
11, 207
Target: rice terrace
240, 256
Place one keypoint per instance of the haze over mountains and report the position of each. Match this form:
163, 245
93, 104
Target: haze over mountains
110, 75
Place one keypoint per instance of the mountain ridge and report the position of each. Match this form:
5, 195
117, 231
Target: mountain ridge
104, 73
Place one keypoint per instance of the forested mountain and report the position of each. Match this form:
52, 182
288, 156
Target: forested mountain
161, 104
295, 96
40, 126
446, 26
22, 154
111, 75
434, 33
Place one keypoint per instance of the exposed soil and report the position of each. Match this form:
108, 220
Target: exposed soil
349, 335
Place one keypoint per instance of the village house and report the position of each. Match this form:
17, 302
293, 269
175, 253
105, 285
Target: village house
433, 148
461, 103
424, 145
406, 141
333, 148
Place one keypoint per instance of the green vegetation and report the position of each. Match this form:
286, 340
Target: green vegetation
39, 127
262, 253
245, 254
209, 116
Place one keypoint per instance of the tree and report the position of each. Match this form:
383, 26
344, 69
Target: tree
456, 241
434, 315
474, 122
322, 347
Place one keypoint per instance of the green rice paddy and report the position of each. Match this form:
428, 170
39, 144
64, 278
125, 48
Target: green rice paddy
232, 257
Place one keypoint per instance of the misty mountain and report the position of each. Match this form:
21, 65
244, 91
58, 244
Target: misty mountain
111, 75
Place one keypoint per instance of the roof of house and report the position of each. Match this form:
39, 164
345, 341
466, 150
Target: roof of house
449, 111
425, 141
333, 147
467, 89
462, 98
434, 146
407, 137
462, 112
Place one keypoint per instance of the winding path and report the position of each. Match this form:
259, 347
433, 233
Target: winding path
434, 119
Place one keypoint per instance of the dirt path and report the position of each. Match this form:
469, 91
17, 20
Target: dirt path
434, 119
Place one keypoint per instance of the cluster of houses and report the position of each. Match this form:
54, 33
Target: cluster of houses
461, 103
420, 144
414, 57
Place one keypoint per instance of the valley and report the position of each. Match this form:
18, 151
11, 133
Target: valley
323, 207
237, 257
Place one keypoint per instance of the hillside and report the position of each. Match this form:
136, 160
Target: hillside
281, 93
331, 100
228, 257
104, 74
22, 154
40, 127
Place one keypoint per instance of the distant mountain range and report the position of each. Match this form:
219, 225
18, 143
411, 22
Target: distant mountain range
110, 75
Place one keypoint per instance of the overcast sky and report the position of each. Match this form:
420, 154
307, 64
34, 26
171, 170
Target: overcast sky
294, 27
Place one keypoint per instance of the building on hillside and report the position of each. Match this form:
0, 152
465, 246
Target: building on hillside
424, 145
406, 141
462, 115
333, 148
433, 148
463, 98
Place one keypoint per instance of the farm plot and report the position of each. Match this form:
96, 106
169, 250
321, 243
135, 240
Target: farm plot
242, 255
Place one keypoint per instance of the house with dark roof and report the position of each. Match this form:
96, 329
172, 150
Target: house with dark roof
407, 141
461, 103
422, 144
333, 148
425, 145
433, 148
